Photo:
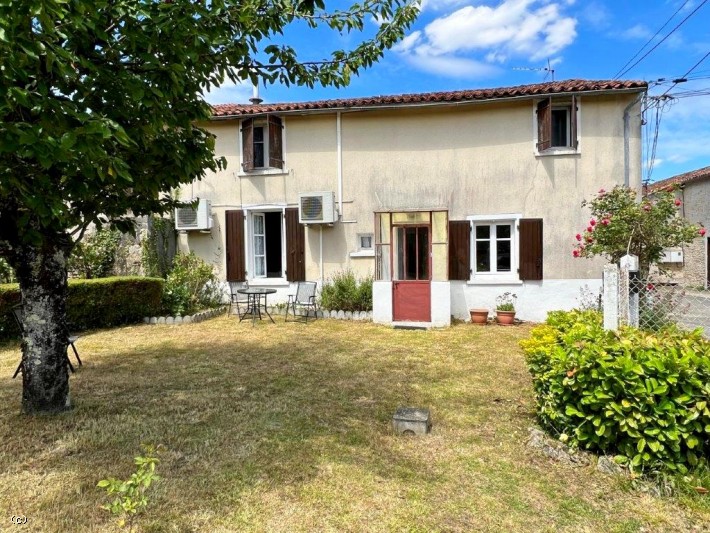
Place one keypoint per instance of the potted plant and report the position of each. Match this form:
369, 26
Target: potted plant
505, 308
479, 316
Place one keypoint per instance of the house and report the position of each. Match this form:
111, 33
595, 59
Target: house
689, 265
448, 198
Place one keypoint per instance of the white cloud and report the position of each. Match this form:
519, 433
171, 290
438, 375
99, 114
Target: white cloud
451, 65
530, 29
597, 15
230, 92
639, 31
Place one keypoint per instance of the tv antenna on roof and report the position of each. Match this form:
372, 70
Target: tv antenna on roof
548, 70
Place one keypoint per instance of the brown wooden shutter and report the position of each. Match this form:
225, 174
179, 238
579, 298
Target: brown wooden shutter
275, 144
459, 249
544, 125
295, 247
574, 142
530, 245
248, 145
234, 222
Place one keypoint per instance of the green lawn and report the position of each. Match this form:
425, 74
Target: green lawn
287, 427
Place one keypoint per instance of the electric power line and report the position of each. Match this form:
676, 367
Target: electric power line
652, 38
685, 76
618, 75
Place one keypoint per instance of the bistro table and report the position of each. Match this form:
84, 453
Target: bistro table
254, 295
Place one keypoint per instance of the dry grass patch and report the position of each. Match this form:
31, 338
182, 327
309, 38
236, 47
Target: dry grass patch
286, 427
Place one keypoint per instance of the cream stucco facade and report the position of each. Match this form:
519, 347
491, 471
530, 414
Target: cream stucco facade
469, 159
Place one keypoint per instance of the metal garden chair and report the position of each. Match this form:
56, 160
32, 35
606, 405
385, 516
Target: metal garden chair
71, 339
236, 299
304, 299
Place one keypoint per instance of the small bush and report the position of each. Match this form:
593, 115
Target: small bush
190, 286
158, 247
95, 303
95, 256
344, 292
641, 396
129, 495
7, 273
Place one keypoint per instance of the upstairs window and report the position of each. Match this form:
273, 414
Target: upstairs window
557, 124
262, 144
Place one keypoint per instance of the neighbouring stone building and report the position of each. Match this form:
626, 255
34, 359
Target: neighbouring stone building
690, 264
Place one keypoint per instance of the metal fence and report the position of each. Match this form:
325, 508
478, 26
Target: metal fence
654, 302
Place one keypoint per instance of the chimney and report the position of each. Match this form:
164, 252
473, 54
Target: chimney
255, 100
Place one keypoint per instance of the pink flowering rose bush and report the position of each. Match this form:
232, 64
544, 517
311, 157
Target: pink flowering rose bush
619, 223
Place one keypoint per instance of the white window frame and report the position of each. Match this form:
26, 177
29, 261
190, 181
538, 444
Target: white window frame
559, 150
364, 252
249, 244
263, 171
493, 277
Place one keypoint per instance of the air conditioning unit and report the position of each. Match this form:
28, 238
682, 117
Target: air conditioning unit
198, 218
317, 208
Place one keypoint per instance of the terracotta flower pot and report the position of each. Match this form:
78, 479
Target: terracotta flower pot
505, 318
479, 316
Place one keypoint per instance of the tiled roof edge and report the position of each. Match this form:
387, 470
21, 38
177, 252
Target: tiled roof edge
558, 87
681, 179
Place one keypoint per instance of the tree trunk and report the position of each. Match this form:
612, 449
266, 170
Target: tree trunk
42, 274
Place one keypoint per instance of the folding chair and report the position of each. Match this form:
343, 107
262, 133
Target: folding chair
237, 298
17, 314
304, 299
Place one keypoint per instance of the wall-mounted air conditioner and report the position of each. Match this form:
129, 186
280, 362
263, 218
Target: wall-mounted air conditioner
198, 218
317, 208
671, 256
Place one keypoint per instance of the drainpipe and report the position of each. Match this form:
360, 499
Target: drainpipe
321, 254
339, 139
627, 133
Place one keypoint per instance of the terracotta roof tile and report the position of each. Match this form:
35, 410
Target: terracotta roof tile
566, 86
688, 177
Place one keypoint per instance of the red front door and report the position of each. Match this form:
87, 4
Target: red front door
411, 268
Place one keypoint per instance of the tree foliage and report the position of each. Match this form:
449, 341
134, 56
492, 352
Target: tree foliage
101, 104
621, 225
99, 99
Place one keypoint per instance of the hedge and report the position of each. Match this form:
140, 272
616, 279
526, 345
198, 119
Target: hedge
644, 397
94, 303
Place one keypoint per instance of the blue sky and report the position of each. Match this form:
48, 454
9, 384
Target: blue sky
465, 44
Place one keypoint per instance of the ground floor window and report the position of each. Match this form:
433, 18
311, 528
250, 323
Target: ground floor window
494, 254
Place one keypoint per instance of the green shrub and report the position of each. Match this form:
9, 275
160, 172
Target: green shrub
344, 292
158, 247
129, 495
190, 286
641, 396
94, 303
95, 256
7, 273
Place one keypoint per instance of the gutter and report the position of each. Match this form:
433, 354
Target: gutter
345, 109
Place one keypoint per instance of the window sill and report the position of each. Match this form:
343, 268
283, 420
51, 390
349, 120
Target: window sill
263, 172
363, 253
557, 151
511, 281
269, 282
